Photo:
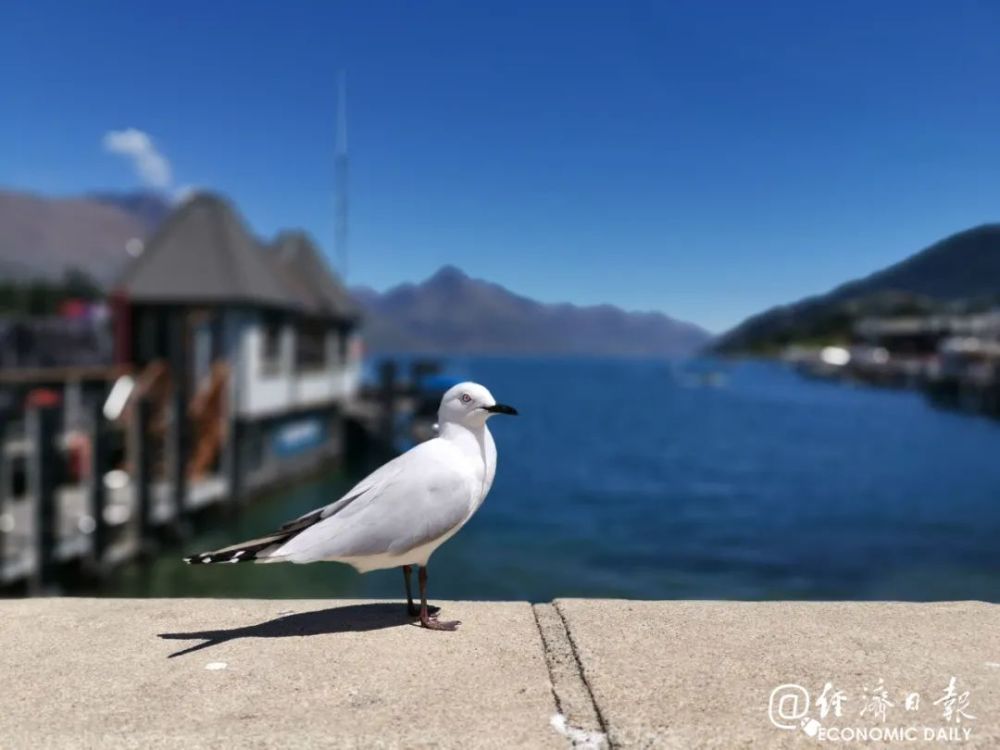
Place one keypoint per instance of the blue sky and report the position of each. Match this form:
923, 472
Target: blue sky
706, 159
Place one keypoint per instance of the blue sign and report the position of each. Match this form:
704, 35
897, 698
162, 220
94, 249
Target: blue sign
301, 435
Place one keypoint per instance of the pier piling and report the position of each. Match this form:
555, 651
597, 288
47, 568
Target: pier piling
388, 372
140, 452
96, 490
42, 474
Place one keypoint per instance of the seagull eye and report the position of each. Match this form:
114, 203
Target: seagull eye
466, 398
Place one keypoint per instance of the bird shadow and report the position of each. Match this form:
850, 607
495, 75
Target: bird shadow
352, 618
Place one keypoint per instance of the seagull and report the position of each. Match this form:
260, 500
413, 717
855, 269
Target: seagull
403, 511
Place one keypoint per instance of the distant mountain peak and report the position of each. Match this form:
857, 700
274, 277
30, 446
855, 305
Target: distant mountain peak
448, 274
451, 313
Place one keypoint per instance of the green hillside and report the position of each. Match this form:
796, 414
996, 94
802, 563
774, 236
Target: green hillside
962, 270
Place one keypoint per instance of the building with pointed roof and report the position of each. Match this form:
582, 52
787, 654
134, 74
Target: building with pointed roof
205, 293
309, 280
204, 254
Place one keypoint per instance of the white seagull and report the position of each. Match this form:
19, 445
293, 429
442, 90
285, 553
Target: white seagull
403, 511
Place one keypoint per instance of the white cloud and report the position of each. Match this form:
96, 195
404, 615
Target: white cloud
151, 166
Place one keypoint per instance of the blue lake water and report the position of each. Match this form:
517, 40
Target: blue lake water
648, 479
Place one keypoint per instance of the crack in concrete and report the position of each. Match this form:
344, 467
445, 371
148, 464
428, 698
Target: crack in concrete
579, 718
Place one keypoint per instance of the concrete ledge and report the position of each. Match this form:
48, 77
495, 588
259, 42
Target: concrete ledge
208, 673
701, 674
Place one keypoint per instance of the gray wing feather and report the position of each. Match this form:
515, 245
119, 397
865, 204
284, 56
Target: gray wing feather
412, 500
383, 474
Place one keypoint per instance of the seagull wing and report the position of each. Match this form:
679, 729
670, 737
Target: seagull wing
412, 500
381, 476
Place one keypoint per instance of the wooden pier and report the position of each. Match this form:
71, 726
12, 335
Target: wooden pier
92, 492
80, 497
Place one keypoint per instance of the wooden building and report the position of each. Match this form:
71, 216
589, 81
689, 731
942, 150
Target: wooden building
256, 343
236, 362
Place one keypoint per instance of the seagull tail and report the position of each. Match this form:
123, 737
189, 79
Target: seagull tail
256, 550
259, 550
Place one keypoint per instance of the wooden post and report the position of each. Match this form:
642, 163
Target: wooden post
142, 464
42, 470
178, 407
6, 487
121, 316
387, 373
230, 350
234, 466
335, 434
98, 493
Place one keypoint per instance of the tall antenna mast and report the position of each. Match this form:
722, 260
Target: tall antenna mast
340, 177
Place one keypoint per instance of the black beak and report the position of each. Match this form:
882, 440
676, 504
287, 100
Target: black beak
501, 409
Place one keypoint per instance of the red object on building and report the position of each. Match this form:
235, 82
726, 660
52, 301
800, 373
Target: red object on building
42, 397
75, 309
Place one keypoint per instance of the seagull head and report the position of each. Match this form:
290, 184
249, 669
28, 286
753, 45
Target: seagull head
470, 404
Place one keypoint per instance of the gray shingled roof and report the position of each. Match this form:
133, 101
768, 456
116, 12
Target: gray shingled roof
309, 279
203, 253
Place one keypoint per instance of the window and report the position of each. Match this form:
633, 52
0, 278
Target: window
270, 349
310, 346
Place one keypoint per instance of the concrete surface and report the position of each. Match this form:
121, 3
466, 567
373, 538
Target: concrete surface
700, 674
113, 673
206, 673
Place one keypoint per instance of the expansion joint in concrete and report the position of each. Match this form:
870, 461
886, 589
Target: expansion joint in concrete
579, 717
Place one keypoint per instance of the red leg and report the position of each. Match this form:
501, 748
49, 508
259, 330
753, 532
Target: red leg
426, 620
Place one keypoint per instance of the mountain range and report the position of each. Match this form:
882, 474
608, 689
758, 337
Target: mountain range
453, 313
448, 313
962, 268
43, 237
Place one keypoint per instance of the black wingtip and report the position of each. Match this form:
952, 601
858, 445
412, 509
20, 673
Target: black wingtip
201, 559
247, 554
